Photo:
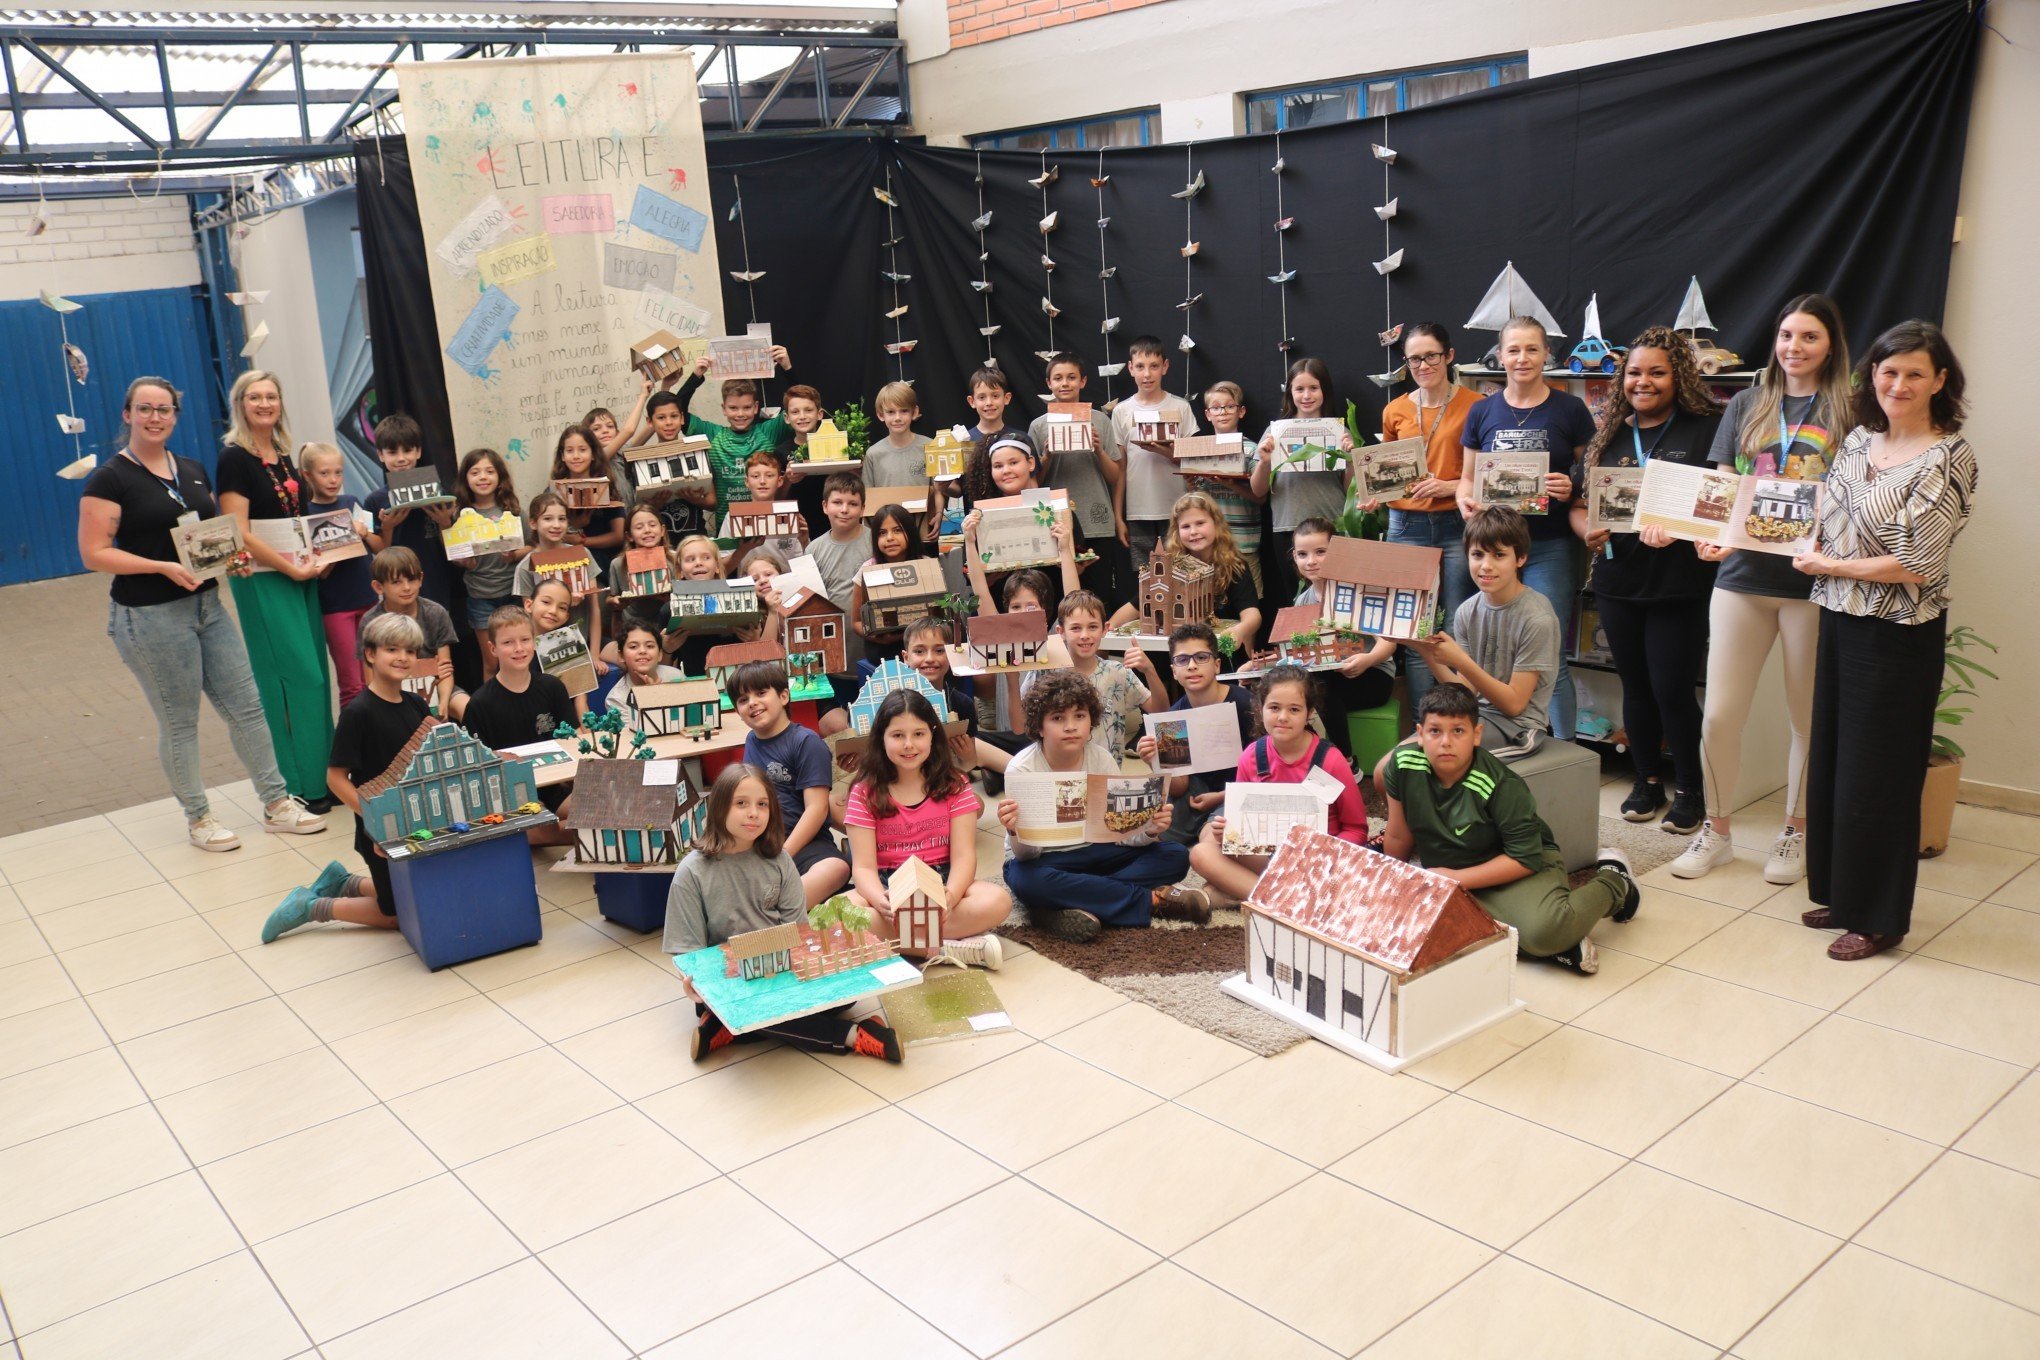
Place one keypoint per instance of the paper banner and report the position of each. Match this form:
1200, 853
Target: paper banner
660, 310
668, 219
486, 326
486, 223
628, 267
513, 261
566, 214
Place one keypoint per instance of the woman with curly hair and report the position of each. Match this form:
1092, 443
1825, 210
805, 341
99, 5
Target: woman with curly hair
1651, 589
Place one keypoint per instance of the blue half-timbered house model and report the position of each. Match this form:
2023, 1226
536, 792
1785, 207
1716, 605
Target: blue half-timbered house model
617, 818
890, 675
676, 708
1384, 589
442, 776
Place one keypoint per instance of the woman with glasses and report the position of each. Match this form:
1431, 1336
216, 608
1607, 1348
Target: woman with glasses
1429, 516
168, 626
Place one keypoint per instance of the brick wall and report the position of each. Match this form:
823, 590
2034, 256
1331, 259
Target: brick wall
97, 245
976, 21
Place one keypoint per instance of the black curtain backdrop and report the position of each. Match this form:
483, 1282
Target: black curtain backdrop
1822, 157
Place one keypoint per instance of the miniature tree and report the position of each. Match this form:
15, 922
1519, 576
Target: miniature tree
841, 913
604, 736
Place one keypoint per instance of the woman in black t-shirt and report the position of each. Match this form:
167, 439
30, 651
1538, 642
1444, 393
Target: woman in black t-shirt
1651, 589
168, 626
279, 602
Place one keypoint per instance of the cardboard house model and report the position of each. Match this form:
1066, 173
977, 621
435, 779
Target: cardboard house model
722, 661
947, 453
1374, 956
617, 818
715, 606
647, 571
1299, 635
897, 593
674, 465
585, 493
1005, 641
827, 444
570, 565
676, 708
814, 630
1387, 589
1176, 589
442, 776
765, 519
800, 949
1153, 427
891, 674
416, 486
1068, 428
658, 356
474, 534
919, 900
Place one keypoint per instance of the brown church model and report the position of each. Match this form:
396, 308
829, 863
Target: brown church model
1176, 589
1389, 590
1379, 958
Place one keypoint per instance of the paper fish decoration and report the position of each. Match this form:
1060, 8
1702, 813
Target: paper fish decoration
257, 338
897, 312
1189, 248
1108, 325
1187, 303
1284, 223
1281, 164
1108, 271
1192, 189
1390, 378
76, 469
903, 347
70, 424
1048, 223
1385, 155
747, 275
988, 331
1100, 181
1284, 277
61, 305
884, 197
1387, 210
242, 299
1391, 335
1048, 264
979, 223
1050, 308
980, 285
896, 278
1047, 177
1186, 344
1111, 370
75, 357
1389, 265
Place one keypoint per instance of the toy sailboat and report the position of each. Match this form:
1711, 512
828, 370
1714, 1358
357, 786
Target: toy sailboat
1693, 310
1509, 296
1590, 329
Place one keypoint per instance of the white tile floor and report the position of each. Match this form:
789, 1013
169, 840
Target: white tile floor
1721, 1144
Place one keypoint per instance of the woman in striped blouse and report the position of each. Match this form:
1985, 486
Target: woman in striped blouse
1898, 494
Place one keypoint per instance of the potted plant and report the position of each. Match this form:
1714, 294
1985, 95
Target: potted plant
1944, 762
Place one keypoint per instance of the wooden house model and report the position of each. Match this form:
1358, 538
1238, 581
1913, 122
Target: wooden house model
1176, 589
814, 632
800, 949
443, 775
947, 453
647, 571
473, 534
1068, 428
617, 818
658, 356
715, 606
1154, 427
762, 953
416, 486
571, 565
765, 519
827, 444
1298, 634
1374, 956
673, 465
676, 708
722, 661
1005, 641
585, 493
919, 901
897, 593
1387, 589
889, 675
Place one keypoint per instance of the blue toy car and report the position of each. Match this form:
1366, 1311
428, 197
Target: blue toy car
458, 827
1595, 355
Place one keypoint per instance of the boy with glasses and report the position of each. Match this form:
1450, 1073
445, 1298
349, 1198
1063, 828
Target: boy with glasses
1194, 660
1225, 406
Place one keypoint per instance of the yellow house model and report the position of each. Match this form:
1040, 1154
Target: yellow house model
947, 452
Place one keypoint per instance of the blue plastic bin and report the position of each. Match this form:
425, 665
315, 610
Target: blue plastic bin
637, 900
469, 899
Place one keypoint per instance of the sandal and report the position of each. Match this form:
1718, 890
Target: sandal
1856, 945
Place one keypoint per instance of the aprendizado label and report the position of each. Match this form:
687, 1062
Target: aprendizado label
488, 222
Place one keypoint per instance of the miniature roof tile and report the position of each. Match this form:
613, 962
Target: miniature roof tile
394, 771
911, 580
674, 693
741, 653
646, 559
915, 876
1371, 562
613, 793
1026, 625
1297, 618
1402, 917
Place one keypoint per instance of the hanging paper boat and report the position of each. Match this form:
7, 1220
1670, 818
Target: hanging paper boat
76, 469
1108, 325
1104, 222
1192, 189
1382, 153
1389, 265
1048, 223
981, 285
903, 347
1108, 271
1189, 248
747, 275
897, 312
1048, 264
1391, 335
1284, 277
988, 331
984, 256
1390, 378
1186, 344
62, 305
1111, 370
896, 278
1509, 296
1284, 223
257, 338
1387, 210
1051, 309
1281, 164
1100, 181
1187, 303
70, 424
979, 223
75, 357
1047, 177
1045, 355
884, 197
1693, 310
244, 298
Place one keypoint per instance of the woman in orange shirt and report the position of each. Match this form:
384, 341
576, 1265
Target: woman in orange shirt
1429, 517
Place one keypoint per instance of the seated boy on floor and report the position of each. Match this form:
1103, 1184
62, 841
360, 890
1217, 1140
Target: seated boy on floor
1074, 894
796, 763
1503, 643
1464, 814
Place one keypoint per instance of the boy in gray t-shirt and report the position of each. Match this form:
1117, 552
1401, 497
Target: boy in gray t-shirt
1504, 642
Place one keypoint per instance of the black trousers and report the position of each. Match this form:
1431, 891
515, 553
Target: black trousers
1875, 684
1660, 651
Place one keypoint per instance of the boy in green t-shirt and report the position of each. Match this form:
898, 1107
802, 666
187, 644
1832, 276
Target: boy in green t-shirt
1468, 816
731, 445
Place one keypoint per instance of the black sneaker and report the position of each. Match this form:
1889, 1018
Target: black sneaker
1633, 898
1582, 958
1067, 923
1688, 811
1644, 802
710, 1034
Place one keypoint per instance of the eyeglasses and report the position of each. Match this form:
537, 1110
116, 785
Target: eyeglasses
1220, 409
1425, 360
152, 410
1184, 660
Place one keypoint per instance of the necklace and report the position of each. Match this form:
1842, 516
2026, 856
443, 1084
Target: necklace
1523, 413
286, 487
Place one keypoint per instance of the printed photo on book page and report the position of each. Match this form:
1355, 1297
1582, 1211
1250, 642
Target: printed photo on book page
1612, 496
1061, 810
1710, 505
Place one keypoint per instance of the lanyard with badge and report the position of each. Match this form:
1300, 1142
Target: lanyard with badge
1643, 457
170, 485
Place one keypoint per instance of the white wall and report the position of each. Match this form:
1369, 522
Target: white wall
97, 245
275, 256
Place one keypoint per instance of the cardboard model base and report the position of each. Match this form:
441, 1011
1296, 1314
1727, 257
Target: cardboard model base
748, 1004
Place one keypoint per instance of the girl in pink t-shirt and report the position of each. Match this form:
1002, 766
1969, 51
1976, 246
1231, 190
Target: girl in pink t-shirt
1286, 753
910, 801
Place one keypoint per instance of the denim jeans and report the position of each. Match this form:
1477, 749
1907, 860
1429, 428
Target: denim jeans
1553, 572
1443, 529
178, 651
1112, 882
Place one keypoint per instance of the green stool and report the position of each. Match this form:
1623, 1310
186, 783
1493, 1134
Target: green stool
1373, 732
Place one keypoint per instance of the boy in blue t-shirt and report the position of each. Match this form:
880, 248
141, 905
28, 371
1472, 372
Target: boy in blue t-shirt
796, 764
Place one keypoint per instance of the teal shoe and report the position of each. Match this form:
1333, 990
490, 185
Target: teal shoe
294, 911
332, 881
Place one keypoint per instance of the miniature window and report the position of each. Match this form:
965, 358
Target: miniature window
438, 807
1314, 997
1351, 1004
1405, 605
1342, 601
828, 631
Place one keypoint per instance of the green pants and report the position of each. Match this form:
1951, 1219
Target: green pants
286, 637
1548, 916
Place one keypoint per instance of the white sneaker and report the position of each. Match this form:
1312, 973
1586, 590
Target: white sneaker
979, 951
1709, 850
207, 834
1787, 862
292, 818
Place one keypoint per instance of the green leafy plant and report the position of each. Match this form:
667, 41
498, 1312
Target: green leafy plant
1958, 681
853, 422
841, 911
602, 736
1227, 646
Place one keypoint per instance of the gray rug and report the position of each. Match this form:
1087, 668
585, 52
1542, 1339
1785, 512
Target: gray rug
1647, 846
